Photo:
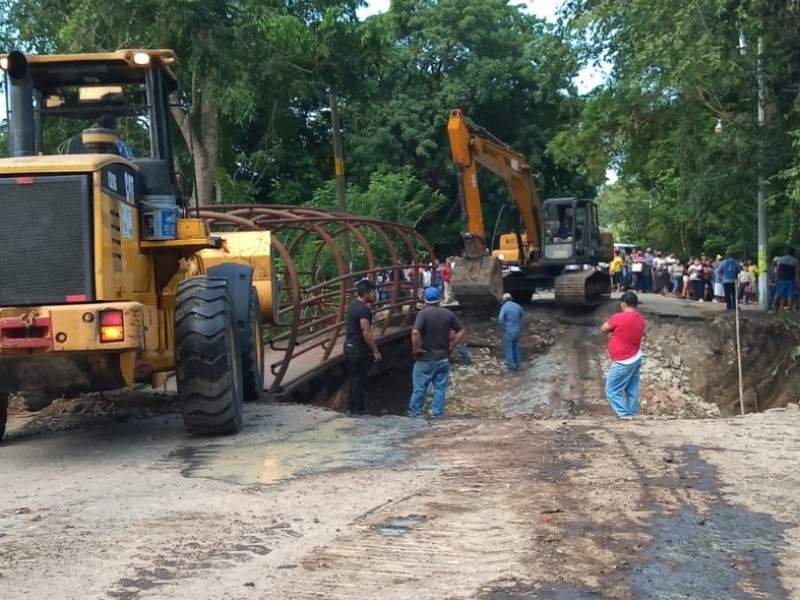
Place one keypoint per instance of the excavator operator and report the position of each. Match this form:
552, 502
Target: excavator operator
564, 233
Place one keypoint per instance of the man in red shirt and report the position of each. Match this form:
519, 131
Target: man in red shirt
626, 329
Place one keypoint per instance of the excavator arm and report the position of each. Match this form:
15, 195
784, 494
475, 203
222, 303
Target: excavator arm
471, 145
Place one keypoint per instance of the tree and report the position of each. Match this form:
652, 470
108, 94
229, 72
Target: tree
217, 42
503, 67
676, 71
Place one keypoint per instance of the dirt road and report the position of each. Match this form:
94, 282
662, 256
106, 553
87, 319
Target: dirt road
529, 490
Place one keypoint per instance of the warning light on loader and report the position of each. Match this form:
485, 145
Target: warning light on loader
112, 326
141, 58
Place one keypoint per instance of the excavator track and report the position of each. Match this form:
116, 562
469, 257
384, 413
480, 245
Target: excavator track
582, 288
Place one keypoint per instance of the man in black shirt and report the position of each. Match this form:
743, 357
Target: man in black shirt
432, 344
359, 345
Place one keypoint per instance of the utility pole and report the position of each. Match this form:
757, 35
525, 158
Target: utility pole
762, 207
338, 163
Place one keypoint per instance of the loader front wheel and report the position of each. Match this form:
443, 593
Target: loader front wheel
253, 351
3, 413
208, 367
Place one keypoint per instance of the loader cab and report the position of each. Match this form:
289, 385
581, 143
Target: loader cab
103, 103
571, 232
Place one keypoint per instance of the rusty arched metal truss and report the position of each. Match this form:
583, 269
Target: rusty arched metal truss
316, 282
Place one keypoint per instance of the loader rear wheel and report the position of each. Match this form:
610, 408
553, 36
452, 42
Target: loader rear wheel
208, 367
253, 351
3, 413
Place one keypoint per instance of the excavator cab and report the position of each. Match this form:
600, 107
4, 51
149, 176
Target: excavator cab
572, 235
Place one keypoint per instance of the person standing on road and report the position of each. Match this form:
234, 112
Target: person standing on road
728, 271
744, 284
787, 273
615, 270
462, 349
360, 348
626, 329
510, 319
447, 273
432, 344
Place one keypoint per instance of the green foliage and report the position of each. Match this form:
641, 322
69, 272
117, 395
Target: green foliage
3, 139
676, 71
264, 70
397, 196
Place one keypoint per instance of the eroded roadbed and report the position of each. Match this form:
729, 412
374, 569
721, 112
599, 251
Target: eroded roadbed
310, 504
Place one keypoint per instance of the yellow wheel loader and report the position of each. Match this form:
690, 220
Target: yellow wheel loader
104, 280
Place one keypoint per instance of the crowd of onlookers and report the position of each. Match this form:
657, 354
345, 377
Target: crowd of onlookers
437, 274
705, 278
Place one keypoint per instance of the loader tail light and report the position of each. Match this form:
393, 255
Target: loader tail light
112, 326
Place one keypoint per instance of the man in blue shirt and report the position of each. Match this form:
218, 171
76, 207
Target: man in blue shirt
511, 319
728, 271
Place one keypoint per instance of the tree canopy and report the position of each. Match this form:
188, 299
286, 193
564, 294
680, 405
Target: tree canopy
678, 117
254, 115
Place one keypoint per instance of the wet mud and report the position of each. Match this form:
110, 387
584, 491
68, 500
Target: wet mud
721, 552
559, 592
332, 445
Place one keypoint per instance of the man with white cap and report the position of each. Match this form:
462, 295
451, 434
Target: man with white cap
511, 319
432, 343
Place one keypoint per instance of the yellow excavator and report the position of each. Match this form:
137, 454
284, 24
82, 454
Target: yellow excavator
560, 247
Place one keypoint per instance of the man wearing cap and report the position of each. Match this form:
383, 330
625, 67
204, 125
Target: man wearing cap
510, 319
626, 330
432, 343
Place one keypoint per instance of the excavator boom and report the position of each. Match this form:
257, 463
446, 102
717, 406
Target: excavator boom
472, 145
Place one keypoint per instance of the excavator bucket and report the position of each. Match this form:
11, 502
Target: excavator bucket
582, 288
477, 281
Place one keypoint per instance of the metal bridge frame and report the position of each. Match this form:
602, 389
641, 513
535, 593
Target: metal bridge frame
312, 309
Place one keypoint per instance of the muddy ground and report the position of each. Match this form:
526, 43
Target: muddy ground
529, 489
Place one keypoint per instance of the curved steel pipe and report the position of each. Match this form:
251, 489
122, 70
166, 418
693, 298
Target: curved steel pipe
312, 310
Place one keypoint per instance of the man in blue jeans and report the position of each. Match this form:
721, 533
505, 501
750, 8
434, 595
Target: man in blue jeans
511, 318
431, 343
626, 330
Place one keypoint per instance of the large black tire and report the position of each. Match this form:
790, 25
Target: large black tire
253, 351
3, 413
208, 367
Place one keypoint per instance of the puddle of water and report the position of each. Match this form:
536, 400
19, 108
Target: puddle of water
719, 554
557, 592
339, 443
395, 527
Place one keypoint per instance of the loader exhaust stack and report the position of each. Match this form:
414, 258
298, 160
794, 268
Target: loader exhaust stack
21, 119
